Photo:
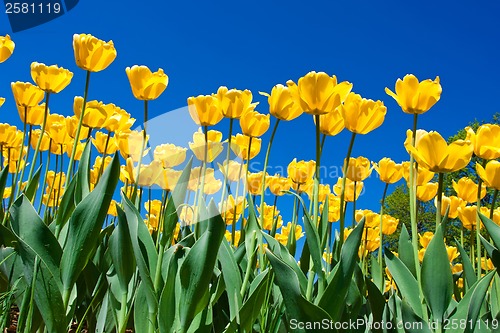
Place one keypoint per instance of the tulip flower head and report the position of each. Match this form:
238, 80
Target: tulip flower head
490, 174
416, 97
362, 115
388, 170
91, 53
254, 124
233, 102
26, 94
51, 79
6, 47
282, 103
486, 141
146, 85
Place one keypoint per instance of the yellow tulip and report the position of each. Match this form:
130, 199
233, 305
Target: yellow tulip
389, 224
427, 191
486, 141
254, 124
349, 189
282, 237
205, 110
358, 169
331, 123
425, 238
490, 175
118, 120
112, 208
91, 53
240, 145
195, 177
130, 144
170, 155
56, 126
7, 134
95, 114
153, 207
72, 126
433, 153
79, 149
362, 115
467, 189
26, 94
145, 84
269, 216
467, 216
372, 219
254, 183
104, 143
282, 104
416, 97
318, 93
147, 173
278, 184
453, 203
423, 175
229, 237
6, 47
212, 184
487, 264
34, 114
45, 144
452, 252
323, 191
51, 79
301, 171
232, 208
213, 146
168, 179
2, 100
388, 170
235, 170
333, 208
233, 102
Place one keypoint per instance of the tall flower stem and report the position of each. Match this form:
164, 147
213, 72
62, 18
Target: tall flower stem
78, 130
228, 156
342, 193
354, 206
143, 147
201, 189
264, 170
439, 199
38, 144
20, 160
495, 195
317, 173
380, 261
478, 225
413, 217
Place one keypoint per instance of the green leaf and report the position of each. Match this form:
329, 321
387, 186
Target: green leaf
338, 287
405, 250
83, 175
377, 274
437, 279
32, 185
493, 229
406, 282
418, 325
120, 247
141, 313
67, 205
493, 252
232, 278
377, 302
85, 225
196, 271
296, 306
3, 181
176, 199
470, 274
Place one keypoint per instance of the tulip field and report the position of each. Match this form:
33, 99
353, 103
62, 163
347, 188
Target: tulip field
101, 231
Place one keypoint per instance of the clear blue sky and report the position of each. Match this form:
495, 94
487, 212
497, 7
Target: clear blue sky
255, 45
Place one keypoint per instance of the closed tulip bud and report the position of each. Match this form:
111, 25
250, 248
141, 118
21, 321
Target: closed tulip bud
389, 224
425, 238
72, 126
301, 171
240, 145
388, 170
170, 155
254, 124
486, 141
467, 216
91, 53
26, 94
278, 185
235, 170
51, 79
416, 97
32, 115
6, 47
282, 103
427, 191
362, 115
331, 123
95, 114
79, 149
490, 175
349, 189
205, 110
467, 189
358, 169
254, 183
233, 102
333, 208
45, 144
452, 203
423, 175
433, 153
104, 143
318, 93
145, 84
213, 147
168, 179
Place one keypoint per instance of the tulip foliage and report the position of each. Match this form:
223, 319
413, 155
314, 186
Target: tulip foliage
192, 239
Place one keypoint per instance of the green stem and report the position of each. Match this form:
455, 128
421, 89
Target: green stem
78, 130
42, 131
317, 177
439, 199
478, 225
380, 261
228, 156
143, 147
249, 264
495, 195
342, 193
